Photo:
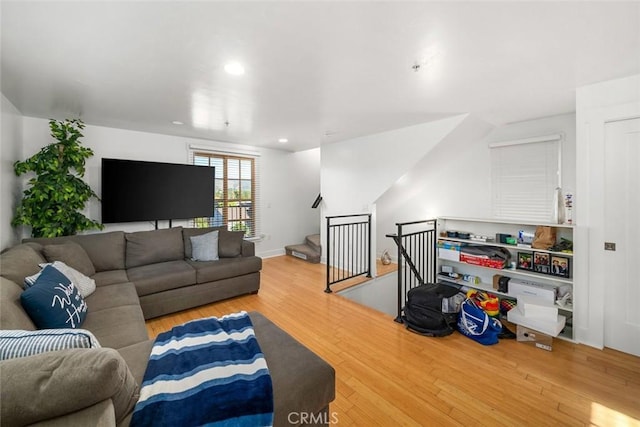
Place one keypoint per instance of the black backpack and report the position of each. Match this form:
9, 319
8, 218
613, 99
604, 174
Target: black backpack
423, 311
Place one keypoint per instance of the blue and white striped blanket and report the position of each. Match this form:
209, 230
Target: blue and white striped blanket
207, 372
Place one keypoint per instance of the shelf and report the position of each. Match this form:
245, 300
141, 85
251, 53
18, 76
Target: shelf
504, 245
514, 271
489, 288
505, 221
490, 227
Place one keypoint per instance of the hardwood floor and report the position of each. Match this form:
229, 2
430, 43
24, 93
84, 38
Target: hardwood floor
388, 376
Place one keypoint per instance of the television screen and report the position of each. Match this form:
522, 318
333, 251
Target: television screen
148, 191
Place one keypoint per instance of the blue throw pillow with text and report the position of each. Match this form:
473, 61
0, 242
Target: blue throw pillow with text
54, 301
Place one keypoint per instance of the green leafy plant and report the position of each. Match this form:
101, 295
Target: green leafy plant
56, 196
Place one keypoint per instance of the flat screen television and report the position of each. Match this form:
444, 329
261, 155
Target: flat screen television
135, 190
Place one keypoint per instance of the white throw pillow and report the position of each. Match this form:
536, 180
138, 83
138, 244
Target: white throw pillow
205, 247
86, 285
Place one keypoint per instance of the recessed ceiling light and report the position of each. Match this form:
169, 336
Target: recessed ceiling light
283, 140
177, 122
234, 68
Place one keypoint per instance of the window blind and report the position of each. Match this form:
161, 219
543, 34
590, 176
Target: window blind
524, 177
237, 189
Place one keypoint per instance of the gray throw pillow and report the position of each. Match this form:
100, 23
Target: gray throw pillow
71, 254
205, 247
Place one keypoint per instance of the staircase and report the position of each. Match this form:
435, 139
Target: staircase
309, 251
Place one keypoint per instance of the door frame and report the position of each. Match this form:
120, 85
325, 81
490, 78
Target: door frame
590, 277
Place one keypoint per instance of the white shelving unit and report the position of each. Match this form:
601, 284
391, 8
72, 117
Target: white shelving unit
489, 228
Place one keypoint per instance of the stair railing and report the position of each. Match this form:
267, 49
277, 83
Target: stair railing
416, 242
348, 247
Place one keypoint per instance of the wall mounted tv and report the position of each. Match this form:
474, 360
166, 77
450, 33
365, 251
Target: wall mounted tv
148, 191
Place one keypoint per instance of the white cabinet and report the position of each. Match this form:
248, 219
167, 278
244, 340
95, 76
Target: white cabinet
553, 269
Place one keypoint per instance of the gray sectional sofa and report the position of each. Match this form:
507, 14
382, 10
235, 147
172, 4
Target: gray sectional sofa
139, 275
158, 263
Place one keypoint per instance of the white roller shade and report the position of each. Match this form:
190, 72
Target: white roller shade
524, 176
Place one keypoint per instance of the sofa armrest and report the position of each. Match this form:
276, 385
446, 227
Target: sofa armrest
57, 383
101, 414
248, 248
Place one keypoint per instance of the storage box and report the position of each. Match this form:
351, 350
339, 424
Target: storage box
481, 261
533, 337
449, 254
552, 328
537, 308
445, 244
531, 289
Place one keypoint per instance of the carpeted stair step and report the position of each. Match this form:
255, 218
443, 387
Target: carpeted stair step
309, 251
313, 240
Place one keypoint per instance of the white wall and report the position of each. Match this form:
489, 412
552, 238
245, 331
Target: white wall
596, 105
454, 179
10, 185
448, 180
290, 184
284, 220
354, 173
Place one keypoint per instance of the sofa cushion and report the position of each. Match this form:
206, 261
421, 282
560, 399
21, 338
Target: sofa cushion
106, 250
151, 247
54, 302
302, 381
230, 243
205, 247
105, 278
86, 285
187, 233
21, 261
137, 358
102, 414
117, 327
248, 248
224, 268
71, 254
150, 279
65, 381
115, 295
12, 315
18, 343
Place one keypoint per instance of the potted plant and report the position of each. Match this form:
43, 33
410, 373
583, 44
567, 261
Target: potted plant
56, 196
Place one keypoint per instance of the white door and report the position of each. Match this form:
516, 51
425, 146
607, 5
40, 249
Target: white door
622, 228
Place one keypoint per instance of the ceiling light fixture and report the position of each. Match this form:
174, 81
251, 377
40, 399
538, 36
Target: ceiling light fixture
177, 122
283, 140
234, 68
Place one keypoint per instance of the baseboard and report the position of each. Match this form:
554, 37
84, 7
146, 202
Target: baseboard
271, 254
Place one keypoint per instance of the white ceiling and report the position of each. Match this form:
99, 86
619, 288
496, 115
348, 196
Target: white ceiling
316, 72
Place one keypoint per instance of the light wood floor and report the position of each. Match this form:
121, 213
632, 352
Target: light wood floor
388, 376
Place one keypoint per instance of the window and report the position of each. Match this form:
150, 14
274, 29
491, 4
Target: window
235, 192
524, 178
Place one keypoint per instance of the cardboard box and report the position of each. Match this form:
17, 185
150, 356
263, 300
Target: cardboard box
449, 254
531, 289
535, 338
